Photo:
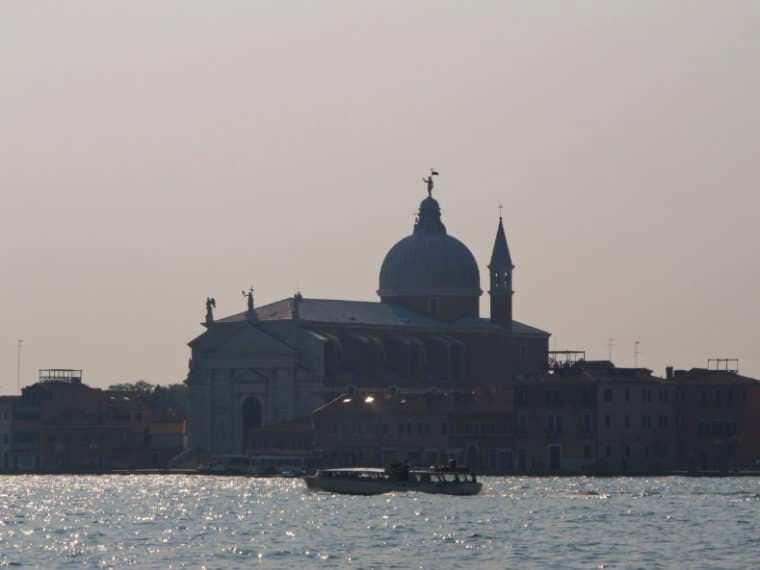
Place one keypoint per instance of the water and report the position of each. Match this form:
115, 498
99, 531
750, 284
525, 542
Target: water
179, 521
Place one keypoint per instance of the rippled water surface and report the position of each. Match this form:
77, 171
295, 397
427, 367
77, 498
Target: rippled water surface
181, 521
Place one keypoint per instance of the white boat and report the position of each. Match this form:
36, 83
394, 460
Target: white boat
375, 481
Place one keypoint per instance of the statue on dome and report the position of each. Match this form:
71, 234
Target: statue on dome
429, 182
210, 304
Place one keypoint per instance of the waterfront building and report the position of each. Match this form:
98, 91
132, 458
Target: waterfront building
635, 420
593, 417
6, 419
61, 425
555, 423
279, 362
166, 436
718, 423
473, 428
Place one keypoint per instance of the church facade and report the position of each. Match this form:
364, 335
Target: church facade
275, 363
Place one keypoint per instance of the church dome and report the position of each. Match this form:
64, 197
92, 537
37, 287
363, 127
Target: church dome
429, 262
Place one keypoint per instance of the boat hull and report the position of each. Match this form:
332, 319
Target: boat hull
370, 487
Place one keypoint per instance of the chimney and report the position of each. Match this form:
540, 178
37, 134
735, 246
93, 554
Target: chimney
669, 373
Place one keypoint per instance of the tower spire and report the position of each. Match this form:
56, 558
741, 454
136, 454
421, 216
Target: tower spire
500, 257
500, 269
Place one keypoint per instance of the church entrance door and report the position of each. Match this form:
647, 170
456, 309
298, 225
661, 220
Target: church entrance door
251, 421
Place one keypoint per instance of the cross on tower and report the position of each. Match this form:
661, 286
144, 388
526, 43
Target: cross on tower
501, 207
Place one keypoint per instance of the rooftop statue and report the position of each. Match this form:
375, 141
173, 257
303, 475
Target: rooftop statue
210, 304
429, 182
249, 295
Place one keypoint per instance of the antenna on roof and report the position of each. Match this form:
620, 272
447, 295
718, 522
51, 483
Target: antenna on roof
18, 364
610, 344
636, 354
725, 364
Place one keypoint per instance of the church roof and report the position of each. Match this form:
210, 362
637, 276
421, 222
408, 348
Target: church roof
340, 312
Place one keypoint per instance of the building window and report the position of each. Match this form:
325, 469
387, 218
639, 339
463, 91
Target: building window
627, 422
552, 398
586, 451
608, 451
587, 423
444, 427
607, 421
627, 450
627, 394
608, 395
523, 424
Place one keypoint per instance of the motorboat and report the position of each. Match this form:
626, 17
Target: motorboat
436, 479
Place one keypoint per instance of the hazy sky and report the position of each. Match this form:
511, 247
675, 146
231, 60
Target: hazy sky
155, 153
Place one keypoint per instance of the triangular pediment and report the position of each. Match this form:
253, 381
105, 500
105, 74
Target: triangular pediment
249, 376
243, 341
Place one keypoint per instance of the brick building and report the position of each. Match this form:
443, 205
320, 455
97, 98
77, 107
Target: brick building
556, 423
636, 420
61, 425
718, 423
595, 418
421, 429
6, 419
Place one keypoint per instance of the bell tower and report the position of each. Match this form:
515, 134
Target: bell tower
500, 270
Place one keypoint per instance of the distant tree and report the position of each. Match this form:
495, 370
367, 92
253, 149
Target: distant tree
172, 396
139, 386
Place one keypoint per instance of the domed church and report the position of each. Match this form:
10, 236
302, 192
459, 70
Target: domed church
275, 363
